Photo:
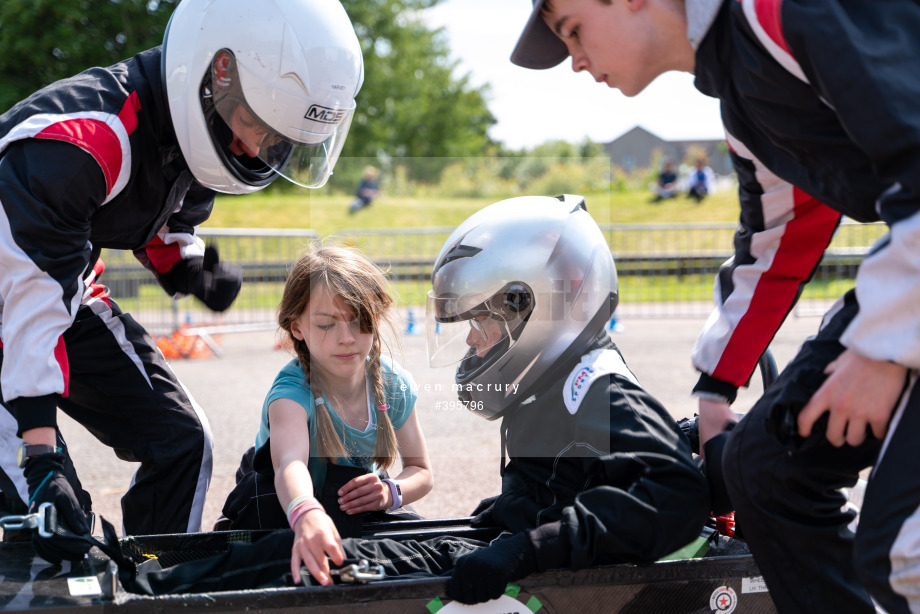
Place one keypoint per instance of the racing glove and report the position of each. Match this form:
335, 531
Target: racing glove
482, 516
47, 484
720, 503
214, 283
484, 574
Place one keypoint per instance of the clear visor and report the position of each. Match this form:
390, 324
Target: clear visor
453, 336
306, 160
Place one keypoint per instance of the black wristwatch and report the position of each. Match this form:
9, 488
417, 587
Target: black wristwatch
31, 450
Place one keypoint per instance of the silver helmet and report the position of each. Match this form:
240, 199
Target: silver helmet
518, 286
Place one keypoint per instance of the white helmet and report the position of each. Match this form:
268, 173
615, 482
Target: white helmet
518, 287
282, 73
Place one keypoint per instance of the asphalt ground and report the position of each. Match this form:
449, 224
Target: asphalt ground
464, 449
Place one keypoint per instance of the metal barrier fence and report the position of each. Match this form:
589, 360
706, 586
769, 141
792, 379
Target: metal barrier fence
665, 270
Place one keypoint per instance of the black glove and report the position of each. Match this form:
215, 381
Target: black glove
218, 284
482, 515
484, 574
47, 484
691, 428
214, 283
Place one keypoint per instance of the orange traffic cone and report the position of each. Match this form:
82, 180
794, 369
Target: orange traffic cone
182, 344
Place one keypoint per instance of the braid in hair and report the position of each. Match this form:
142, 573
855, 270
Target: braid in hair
327, 440
387, 447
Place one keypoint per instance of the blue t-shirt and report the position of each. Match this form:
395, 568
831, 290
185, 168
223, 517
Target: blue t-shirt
290, 383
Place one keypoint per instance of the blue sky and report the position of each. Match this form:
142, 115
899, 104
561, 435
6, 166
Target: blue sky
535, 106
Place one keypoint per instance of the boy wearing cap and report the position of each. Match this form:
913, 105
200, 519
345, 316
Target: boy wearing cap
819, 102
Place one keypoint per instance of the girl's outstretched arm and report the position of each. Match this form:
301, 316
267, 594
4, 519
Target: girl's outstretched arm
315, 535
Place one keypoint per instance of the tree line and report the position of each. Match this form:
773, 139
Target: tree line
417, 119
412, 104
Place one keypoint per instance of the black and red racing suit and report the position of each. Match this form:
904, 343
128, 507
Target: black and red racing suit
86, 163
819, 102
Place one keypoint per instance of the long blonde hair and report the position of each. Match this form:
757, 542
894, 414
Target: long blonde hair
363, 287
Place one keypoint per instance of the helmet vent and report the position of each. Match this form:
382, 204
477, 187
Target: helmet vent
459, 251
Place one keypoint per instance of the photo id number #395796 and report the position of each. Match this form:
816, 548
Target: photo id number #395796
457, 405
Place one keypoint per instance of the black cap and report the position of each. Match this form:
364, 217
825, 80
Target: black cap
538, 46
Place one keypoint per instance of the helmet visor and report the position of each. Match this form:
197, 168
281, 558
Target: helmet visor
479, 334
300, 155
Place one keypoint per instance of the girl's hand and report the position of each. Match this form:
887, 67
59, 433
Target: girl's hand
715, 416
365, 493
315, 537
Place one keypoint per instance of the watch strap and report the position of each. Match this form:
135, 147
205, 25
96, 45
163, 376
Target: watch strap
31, 450
396, 491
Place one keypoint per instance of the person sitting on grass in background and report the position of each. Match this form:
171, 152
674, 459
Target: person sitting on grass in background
366, 192
340, 402
666, 185
699, 181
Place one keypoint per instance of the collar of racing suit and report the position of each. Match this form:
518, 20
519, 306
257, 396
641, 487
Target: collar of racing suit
700, 15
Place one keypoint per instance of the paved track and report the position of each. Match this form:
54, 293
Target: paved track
464, 449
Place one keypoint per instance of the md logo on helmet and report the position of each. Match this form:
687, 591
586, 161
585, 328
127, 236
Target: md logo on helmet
325, 114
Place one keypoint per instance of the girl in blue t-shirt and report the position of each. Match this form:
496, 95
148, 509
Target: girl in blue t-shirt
340, 402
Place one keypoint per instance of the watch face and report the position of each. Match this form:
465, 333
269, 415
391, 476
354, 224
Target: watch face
21, 456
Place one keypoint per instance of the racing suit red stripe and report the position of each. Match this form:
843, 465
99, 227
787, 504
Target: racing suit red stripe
161, 255
60, 355
94, 137
768, 14
128, 114
778, 287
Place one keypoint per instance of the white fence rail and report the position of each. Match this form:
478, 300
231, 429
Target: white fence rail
665, 270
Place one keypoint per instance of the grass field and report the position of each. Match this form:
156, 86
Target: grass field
329, 214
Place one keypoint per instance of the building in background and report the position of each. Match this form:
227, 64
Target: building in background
639, 148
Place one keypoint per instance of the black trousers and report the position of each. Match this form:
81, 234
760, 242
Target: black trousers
266, 563
790, 507
122, 391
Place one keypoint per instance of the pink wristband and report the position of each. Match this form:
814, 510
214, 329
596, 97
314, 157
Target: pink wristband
302, 508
